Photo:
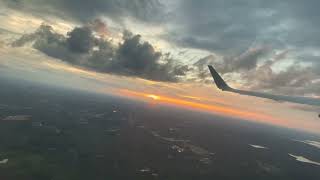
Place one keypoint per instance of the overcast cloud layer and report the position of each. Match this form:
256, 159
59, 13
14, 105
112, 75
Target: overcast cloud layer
84, 10
237, 24
267, 45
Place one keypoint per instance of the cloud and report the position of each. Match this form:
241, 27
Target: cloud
246, 61
296, 79
204, 62
242, 63
221, 26
132, 57
83, 10
232, 27
49, 42
80, 40
100, 27
138, 58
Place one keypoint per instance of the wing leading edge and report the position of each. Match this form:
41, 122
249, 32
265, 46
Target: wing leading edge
221, 84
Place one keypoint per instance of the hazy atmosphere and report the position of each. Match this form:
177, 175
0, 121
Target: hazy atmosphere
260, 46
156, 52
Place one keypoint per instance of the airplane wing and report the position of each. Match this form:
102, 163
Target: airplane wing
221, 84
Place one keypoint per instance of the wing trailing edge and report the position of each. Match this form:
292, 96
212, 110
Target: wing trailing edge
221, 84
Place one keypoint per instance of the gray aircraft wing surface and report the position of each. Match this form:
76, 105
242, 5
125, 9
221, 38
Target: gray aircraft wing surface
221, 84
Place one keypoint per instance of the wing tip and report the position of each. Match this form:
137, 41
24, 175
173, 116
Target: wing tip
220, 83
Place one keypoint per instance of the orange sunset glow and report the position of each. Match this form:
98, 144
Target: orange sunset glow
183, 95
211, 108
154, 97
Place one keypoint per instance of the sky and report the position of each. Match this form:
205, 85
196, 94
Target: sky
158, 51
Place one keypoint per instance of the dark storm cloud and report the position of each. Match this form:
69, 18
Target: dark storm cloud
139, 58
51, 43
85, 10
216, 25
133, 57
233, 26
80, 40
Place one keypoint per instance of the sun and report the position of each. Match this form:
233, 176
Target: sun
152, 96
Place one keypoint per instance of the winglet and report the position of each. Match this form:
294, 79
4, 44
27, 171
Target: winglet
218, 80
